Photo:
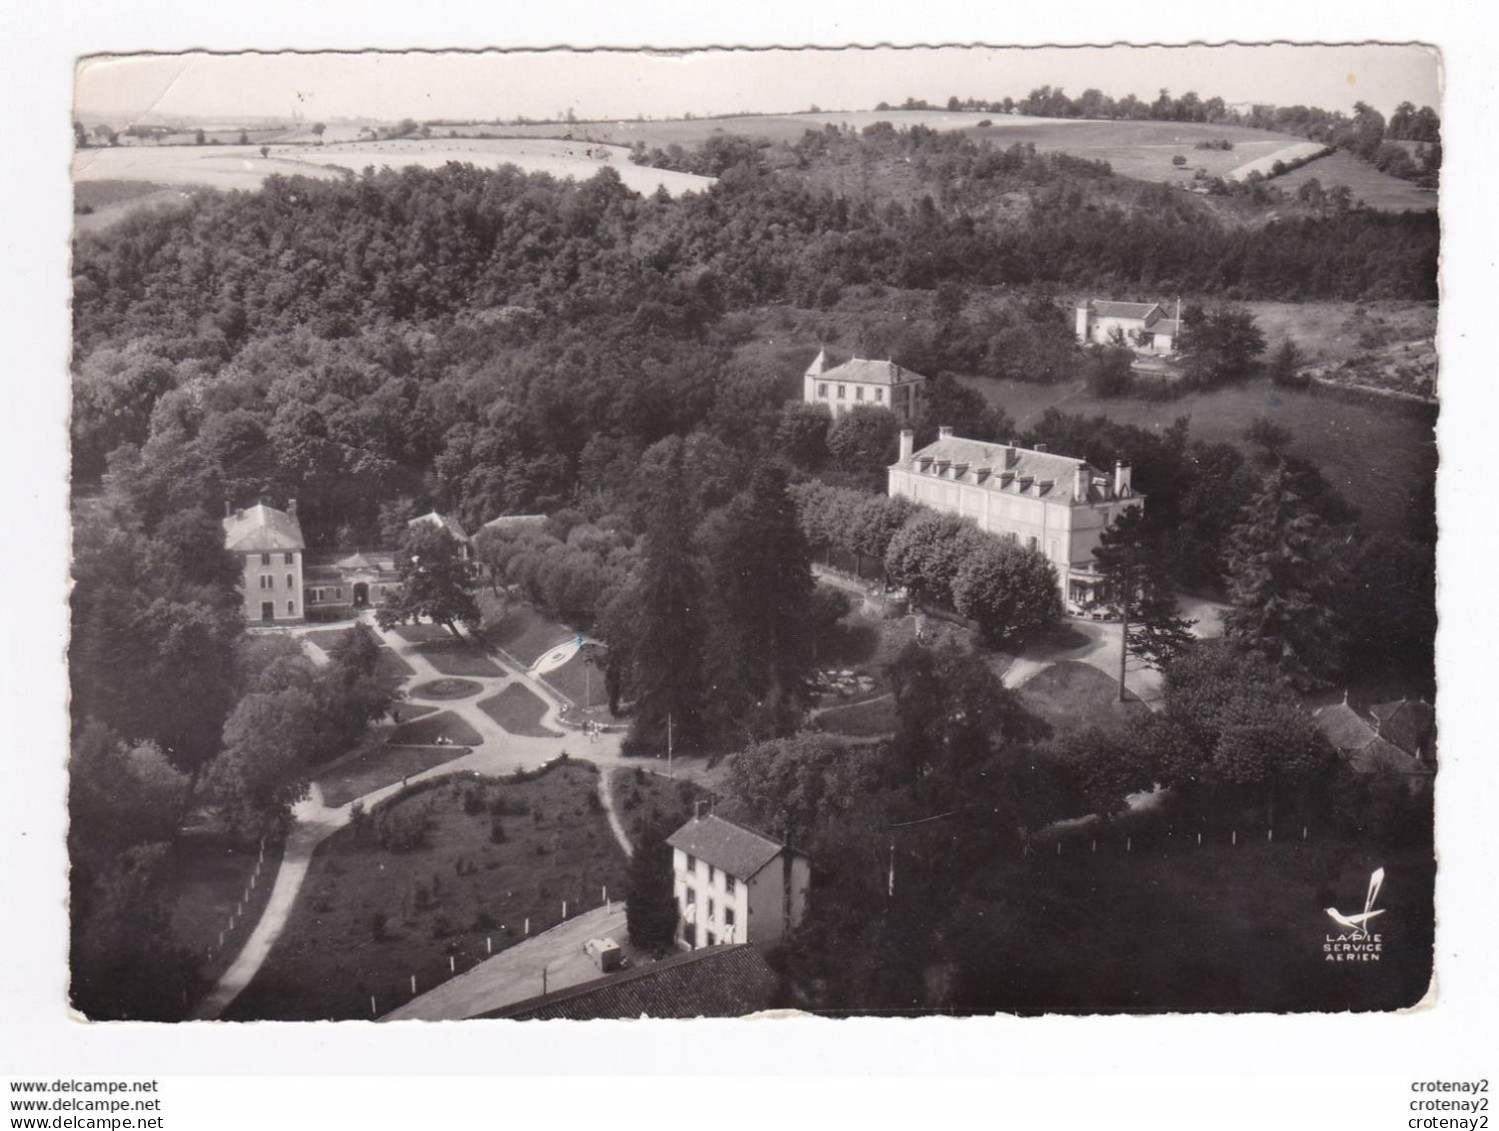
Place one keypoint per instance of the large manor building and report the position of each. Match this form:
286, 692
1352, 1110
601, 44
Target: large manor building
1053, 504
859, 381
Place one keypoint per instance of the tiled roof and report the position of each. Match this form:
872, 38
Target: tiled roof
871, 372
1408, 723
1380, 756
259, 529
515, 522
716, 981
1344, 727
1165, 326
442, 522
1019, 463
1105, 309
737, 849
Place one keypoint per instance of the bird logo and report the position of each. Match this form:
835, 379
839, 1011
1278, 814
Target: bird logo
1359, 924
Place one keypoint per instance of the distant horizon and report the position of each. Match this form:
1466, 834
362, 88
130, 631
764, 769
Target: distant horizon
544, 86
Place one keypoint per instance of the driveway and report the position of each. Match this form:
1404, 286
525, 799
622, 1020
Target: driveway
514, 975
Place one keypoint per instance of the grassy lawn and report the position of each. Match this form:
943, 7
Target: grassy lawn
380, 766
209, 875
583, 684
390, 664
445, 689
525, 634
459, 658
519, 710
427, 730
1216, 928
858, 720
1375, 455
1072, 696
465, 883
421, 633
641, 797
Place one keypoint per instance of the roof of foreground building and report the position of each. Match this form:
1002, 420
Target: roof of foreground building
260, 529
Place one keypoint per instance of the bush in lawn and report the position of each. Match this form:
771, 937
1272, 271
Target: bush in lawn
473, 801
497, 831
484, 921
403, 830
378, 923
441, 927
421, 896
594, 804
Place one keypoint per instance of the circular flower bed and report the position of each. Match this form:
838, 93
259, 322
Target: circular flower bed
446, 689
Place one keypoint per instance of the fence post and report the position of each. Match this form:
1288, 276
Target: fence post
488, 944
1128, 843
372, 1005
564, 909
1269, 834
528, 927
1235, 839
1303, 832
413, 985
1059, 848
1199, 840
452, 964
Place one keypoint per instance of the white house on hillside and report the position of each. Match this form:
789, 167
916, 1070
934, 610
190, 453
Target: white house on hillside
734, 884
1141, 326
880, 384
269, 544
1053, 504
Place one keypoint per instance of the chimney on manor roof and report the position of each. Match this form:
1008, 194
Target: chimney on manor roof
907, 444
1080, 483
1121, 479
944, 432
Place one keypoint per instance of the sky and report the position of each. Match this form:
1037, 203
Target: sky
621, 85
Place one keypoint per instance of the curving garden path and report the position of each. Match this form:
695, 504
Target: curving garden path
500, 752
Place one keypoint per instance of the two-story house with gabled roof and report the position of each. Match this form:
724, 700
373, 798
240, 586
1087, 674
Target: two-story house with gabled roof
860, 382
734, 884
269, 544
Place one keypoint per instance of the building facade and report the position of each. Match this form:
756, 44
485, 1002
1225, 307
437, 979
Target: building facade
734, 884
878, 384
1141, 326
269, 544
1053, 504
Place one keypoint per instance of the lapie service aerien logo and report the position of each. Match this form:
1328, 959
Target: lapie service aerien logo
1355, 942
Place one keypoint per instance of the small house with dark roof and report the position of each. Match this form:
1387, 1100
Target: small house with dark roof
340, 584
1364, 751
1054, 504
735, 884
859, 382
1142, 326
269, 545
715, 981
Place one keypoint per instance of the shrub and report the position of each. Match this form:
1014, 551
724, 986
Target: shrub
441, 927
473, 801
421, 896
1178, 160
403, 830
497, 831
378, 923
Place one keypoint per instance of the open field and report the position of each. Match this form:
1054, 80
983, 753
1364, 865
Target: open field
243, 167
1375, 189
379, 766
519, 710
1264, 165
1072, 696
1378, 456
495, 853
1218, 928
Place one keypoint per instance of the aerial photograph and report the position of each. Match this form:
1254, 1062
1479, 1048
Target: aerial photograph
895, 532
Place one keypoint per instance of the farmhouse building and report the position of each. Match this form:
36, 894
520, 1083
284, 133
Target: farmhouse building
1142, 326
858, 381
1053, 504
269, 545
1365, 751
734, 884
